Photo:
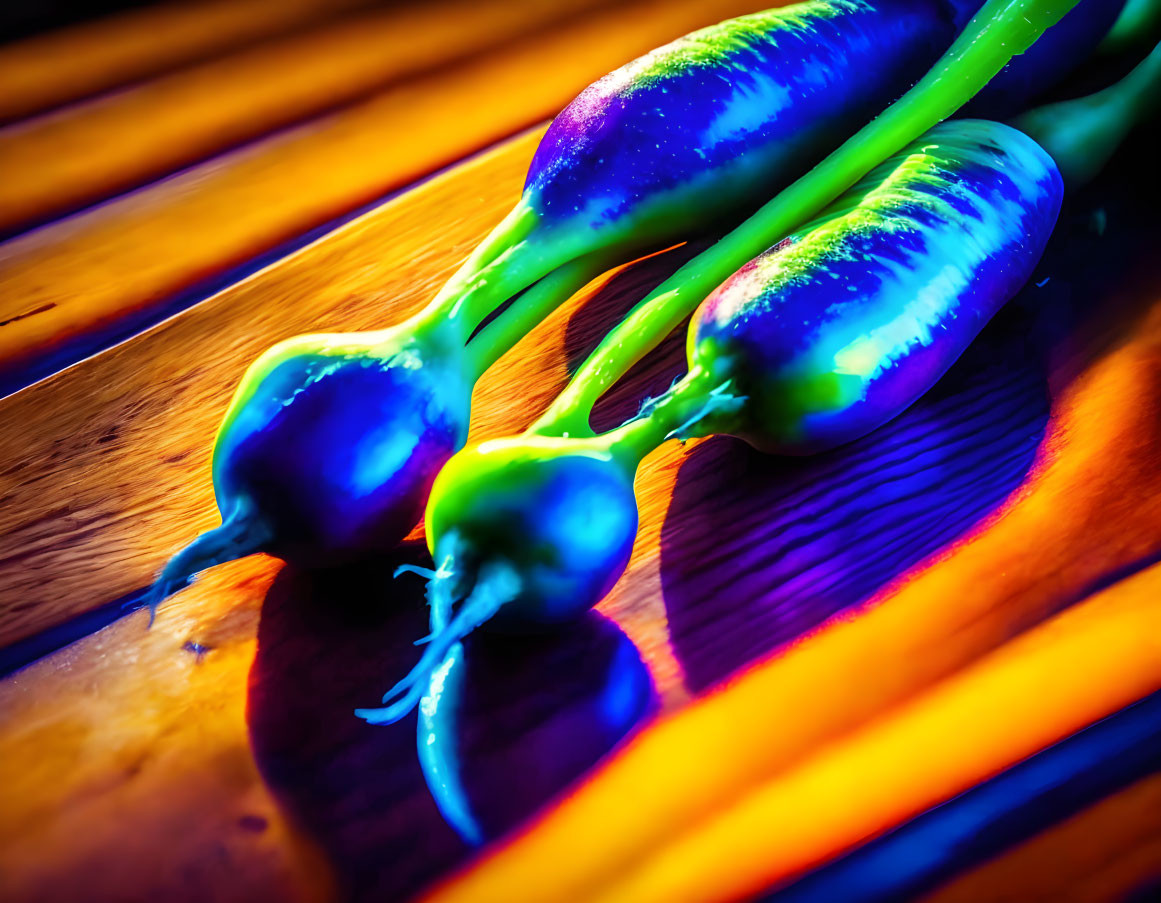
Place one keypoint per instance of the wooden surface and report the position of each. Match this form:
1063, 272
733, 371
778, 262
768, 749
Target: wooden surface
76, 286
215, 756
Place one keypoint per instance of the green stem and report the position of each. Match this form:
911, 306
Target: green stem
537, 302
478, 286
1138, 24
999, 31
1081, 135
687, 401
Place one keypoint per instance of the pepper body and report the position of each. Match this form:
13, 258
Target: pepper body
713, 124
841, 326
336, 442
560, 512
330, 447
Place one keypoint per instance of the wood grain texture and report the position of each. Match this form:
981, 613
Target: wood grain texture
306, 673
72, 288
119, 141
137, 781
102, 418
60, 66
96, 425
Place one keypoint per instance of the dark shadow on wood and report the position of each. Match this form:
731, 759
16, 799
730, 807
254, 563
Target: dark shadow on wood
757, 550
537, 713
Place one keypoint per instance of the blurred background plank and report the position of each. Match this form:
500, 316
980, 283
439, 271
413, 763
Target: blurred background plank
1105, 852
50, 69
103, 146
71, 288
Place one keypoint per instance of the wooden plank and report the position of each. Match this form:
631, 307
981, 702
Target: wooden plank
194, 766
90, 151
995, 816
139, 764
50, 69
67, 289
150, 763
129, 702
103, 419
99, 539
1017, 700
1103, 853
68, 848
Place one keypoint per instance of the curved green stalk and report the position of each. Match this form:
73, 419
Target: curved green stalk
1138, 24
1081, 135
671, 416
999, 31
513, 256
536, 303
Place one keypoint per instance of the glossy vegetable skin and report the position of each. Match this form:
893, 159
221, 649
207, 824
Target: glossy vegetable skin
358, 426
831, 333
845, 323
485, 571
568, 523
737, 110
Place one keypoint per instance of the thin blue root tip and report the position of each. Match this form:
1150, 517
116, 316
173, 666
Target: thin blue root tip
436, 737
237, 537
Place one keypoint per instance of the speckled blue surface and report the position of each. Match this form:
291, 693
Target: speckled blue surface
720, 119
842, 326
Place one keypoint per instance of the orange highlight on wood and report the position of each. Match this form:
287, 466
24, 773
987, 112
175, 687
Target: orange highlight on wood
93, 150
60, 66
61, 281
1078, 667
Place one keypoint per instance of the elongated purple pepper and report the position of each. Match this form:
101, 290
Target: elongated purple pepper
843, 324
